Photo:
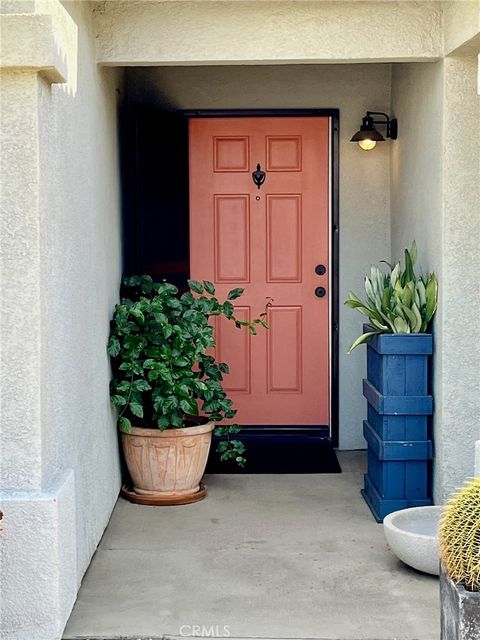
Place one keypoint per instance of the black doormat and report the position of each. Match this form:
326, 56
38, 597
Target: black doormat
272, 451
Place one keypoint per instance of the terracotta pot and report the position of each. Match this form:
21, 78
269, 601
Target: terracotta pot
167, 463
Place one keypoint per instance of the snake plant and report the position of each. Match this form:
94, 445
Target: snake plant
397, 302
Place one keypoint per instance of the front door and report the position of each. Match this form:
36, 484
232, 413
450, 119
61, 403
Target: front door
273, 241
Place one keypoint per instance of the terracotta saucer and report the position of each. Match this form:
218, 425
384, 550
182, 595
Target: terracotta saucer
157, 501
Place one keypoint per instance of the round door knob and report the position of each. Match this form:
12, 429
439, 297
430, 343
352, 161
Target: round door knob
320, 269
320, 292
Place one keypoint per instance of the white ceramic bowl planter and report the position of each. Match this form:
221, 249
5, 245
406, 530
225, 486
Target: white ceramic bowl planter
413, 537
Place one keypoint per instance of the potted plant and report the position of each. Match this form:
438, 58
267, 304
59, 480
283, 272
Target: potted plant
399, 306
459, 539
168, 386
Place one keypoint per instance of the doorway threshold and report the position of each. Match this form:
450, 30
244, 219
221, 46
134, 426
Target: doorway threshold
281, 449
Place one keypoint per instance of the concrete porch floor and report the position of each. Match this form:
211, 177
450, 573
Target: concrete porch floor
267, 556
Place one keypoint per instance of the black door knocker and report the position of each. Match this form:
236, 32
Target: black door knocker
259, 176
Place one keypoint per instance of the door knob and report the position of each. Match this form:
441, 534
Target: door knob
320, 292
320, 269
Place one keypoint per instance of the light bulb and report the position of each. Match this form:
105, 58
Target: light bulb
367, 145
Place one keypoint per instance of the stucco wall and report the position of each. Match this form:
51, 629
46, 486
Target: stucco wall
461, 266
61, 265
81, 267
139, 32
416, 161
364, 177
461, 25
435, 198
416, 190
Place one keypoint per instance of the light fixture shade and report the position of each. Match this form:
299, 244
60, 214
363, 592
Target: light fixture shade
367, 134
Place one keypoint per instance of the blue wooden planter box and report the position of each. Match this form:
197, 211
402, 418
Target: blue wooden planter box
399, 450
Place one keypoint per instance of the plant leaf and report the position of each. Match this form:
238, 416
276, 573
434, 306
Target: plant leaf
124, 424
408, 274
420, 287
401, 325
235, 293
113, 348
138, 315
431, 299
136, 408
407, 297
228, 310
412, 320
413, 253
418, 324
163, 422
394, 275
363, 338
141, 385
195, 285
209, 288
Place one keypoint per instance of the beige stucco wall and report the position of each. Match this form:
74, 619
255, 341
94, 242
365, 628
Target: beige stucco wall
364, 177
60, 266
81, 266
435, 198
461, 25
461, 266
416, 189
416, 161
155, 32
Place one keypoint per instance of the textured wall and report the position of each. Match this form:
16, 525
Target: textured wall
282, 31
416, 192
20, 436
461, 23
81, 266
461, 266
364, 177
435, 198
60, 265
416, 161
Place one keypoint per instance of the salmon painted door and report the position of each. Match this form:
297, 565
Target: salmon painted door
270, 240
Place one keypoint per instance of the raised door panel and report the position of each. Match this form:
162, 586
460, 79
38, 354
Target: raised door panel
232, 238
284, 351
234, 346
284, 237
284, 153
231, 154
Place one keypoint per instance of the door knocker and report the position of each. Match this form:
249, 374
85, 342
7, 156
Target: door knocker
259, 176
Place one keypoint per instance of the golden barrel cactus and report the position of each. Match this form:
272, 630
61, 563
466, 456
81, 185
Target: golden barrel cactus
460, 536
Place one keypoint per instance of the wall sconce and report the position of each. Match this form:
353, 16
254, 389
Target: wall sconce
367, 136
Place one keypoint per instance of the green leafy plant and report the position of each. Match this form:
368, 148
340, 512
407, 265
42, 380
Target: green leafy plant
162, 374
397, 302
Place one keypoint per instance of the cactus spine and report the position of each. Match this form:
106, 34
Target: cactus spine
460, 536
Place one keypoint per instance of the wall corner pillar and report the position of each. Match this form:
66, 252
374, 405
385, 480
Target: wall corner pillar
38, 547
460, 289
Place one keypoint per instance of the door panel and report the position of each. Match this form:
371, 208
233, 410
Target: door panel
284, 350
234, 346
267, 240
284, 238
232, 238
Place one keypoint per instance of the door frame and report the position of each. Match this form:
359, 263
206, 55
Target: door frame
334, 224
